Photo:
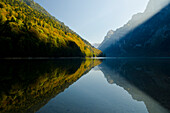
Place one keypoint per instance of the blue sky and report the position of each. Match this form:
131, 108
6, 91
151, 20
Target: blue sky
92, 19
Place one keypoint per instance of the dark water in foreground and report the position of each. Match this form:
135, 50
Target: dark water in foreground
85, 86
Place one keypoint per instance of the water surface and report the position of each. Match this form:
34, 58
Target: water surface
85, 86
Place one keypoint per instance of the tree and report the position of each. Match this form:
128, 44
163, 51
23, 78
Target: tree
2, 5
13, 19
3, 18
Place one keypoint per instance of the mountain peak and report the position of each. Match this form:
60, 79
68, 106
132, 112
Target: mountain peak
156, 5
109, 34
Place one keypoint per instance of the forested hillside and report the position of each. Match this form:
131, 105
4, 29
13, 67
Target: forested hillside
28, 30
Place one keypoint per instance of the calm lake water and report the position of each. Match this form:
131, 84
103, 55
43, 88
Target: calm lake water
112, 85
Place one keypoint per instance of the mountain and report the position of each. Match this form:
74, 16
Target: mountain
103, 45
146, 34
96, 45
28, 30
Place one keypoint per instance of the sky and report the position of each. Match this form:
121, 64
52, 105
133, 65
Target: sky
92, 19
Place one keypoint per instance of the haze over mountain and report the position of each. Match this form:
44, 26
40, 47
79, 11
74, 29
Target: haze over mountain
146, 34
96, 45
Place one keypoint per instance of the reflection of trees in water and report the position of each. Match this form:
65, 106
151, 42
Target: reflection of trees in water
28, 85
141, 77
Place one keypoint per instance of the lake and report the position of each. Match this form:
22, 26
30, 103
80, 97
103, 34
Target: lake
102, 85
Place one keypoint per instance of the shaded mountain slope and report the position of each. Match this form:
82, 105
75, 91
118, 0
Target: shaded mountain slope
140, 37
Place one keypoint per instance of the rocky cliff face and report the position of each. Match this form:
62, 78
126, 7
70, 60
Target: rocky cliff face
106, 38
143, 35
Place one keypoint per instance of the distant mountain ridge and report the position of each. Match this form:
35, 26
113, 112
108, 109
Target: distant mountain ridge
96, 45
138, 36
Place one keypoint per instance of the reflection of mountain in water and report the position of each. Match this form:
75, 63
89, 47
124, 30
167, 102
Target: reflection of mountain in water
25, 86
146, 80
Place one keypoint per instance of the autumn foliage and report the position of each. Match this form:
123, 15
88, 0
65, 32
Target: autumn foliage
28, 32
